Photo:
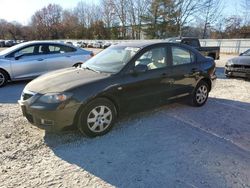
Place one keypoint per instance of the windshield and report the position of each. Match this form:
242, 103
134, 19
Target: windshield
8, 50
111, 60
246, 53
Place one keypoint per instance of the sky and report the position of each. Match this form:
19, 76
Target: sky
22, 10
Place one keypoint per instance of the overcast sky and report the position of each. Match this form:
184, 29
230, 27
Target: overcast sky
22, 10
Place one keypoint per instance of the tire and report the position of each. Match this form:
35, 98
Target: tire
3, 78
97, 117
200, 94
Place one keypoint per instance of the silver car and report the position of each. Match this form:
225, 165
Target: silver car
239, 66
31, 59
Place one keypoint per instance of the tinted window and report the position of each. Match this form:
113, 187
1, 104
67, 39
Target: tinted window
66, 49
55, 49
27, 51
154, 59
181, 56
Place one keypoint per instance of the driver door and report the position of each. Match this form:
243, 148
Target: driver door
28, 63
146, 89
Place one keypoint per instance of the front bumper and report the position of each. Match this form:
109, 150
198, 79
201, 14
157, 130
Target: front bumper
237, 71
51, 118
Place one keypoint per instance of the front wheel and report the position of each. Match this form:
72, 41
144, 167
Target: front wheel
200, 94
97, 117
3, 78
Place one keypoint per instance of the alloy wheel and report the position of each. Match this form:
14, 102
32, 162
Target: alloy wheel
99, 119
2, 78
201, 94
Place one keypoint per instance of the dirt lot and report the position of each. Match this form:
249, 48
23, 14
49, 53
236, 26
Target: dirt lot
173, 146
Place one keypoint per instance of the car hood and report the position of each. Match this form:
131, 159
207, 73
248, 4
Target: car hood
241, 60
63, 80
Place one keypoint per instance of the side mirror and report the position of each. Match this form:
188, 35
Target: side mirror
18, 55
241, 54
140, 69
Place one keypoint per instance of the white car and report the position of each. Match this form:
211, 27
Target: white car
97, 44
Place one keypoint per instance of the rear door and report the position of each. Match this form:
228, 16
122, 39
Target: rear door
185, 70
58, 56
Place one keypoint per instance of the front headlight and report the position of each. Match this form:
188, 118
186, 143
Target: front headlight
55, 97
229, 63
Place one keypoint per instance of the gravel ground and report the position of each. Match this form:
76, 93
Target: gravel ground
173, 146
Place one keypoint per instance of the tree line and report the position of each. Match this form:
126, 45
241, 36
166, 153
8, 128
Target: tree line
129, 19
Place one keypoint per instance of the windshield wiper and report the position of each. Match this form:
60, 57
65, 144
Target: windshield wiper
88, 68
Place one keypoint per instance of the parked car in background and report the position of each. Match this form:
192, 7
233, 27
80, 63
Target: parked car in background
90, 45
31, 59
106, 45
69, 43
97, 44
2, 43
239, 66
81, 44
213, 51
121, 79
9, 43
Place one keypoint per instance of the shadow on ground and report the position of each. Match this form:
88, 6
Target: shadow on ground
11, 92
175, 146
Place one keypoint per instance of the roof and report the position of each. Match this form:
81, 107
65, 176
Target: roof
141, 44
42, 42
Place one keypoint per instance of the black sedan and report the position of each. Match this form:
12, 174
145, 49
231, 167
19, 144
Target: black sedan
123, 78
239, 66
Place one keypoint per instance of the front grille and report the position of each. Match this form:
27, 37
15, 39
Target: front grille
241, 66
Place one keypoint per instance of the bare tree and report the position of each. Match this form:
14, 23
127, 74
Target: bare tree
87, 13
108, 13
211, 12
245, 4
136, 10
47, 22
185, 11
120, 8
3, 28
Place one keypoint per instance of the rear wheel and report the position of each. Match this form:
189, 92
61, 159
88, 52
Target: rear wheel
3, 78
200, 94
97, 117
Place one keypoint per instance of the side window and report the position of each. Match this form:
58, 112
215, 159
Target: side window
54, 49
44, 49
66, 49
154, 58
182, 56
27, 51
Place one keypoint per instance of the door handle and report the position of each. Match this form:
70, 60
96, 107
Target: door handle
41, 59
171, 81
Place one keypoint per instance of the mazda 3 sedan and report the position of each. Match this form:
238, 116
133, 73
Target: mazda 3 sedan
31, 59
120, 79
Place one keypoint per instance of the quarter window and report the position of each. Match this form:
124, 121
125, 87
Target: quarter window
182, 56
154, 59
